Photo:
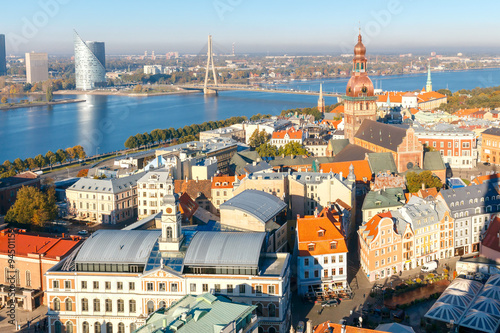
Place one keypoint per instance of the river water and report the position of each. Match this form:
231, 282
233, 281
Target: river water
103, 123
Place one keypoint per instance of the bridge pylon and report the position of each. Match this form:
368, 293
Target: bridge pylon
210, 61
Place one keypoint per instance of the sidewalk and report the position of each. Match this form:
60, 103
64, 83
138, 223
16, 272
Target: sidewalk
22, 317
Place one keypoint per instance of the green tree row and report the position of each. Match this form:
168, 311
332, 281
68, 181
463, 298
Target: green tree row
183, 134
469, 99
309, 111
33, 206
8, 169
260, 142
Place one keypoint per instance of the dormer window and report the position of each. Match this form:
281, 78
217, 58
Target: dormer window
333, 245
311, 246
224, 184
321, 233
217, 184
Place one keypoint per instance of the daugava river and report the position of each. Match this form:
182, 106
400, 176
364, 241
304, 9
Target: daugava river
103, 123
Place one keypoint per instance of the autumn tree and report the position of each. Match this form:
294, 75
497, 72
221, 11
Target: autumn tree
79, 151
61, 156
30, 163
19, 165
4, 100
131, 142
32, 206
258, 138
40, 161
415, 180
50, 157
292, 148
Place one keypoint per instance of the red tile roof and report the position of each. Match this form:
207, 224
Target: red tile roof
427, 96
308, 228
48, 247
292, 134
337, 328
224, 181
394, 97
482, 179
361, 168
187, 205
195, 188
372, 224
491, 239
338, 109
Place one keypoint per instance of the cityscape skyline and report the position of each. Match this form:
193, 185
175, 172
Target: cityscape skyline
255, 27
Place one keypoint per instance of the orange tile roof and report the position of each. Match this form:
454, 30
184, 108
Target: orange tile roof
307, 231
292, 133
361, 168
394, 97
414, 111
328, 327
49, 247
372, 224
338, 109
227, 180
432, 191
465, 112
427, 96
482, 179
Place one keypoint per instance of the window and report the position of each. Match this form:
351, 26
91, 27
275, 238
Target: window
341, 258
107, 285
334, 259
162, 304
57, 304
306, 274
97, 305
149, 286
242, 288
109, 327
132, 327
162, 286
316, 274
192, 287
306, 261
272, 310
121, 328
131, 285
55, 284
341, 271
204, 287
270, 290
85, 304
84, 284
151, 307
119, 285
258, 289
96, 284
333, 245
217, 288
28, 278
229, 288
69, 327
120, 305
69, 304
325, 260
85, 327
131, 305
108, 305
310, 247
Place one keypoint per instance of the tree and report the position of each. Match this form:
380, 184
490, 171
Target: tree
50, 157
258, 138
30, 163
48, 94
156, 135
19, 165
138, 88
140, 139
61, 156
70, 153
187, 138
79, 151
292, 148
83, 173
40, 161
4, 100
267, 150
32, 206
414, 181
131, 142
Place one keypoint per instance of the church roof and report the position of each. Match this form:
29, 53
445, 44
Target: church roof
380, 134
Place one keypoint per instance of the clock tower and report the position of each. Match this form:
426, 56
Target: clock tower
359, 100
171, 220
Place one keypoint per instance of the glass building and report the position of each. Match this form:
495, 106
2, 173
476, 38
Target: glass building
3, 62
90, 64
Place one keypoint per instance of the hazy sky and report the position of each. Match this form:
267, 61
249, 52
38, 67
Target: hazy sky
276, 26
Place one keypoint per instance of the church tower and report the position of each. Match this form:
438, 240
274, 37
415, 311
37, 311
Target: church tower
321, 100
359, 100
171, 220
428, 85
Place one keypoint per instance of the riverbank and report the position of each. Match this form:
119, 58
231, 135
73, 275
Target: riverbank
32, 104
122, 93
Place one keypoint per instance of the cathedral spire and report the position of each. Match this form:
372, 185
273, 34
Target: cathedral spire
321, 100
428, 85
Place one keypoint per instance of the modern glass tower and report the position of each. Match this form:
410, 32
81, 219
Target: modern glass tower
3, 62
90, 64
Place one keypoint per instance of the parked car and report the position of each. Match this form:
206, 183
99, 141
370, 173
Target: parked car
300, 327
431, 266
83, 232
329, 303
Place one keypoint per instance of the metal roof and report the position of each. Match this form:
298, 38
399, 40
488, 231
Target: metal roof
118, 246
209, 248
261, 205
106, 186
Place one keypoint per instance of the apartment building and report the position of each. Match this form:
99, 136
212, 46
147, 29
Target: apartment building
151, 188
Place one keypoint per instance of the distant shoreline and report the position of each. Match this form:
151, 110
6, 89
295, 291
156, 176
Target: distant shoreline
120, 93
36, 104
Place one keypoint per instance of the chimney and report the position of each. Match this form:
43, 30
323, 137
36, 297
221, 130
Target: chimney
423, 186
343, 329
316, 212
309, 325
186, 179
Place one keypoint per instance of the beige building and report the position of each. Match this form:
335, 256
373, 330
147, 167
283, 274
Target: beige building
151, 188
253, 210
104, 200
37, 67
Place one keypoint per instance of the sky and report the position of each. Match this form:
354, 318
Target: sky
255, 26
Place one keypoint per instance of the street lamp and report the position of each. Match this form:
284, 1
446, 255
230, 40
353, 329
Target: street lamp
96, 152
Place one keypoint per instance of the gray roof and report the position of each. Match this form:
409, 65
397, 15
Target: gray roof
261, 205
420, 213
338, 144
261, 166
118, 246
459, 199
492, 131
389, 197
109, 186
299, 160
315, 177
351, 153
382, 162
384, 135
433, 161
159, 176
211, 248
242, 159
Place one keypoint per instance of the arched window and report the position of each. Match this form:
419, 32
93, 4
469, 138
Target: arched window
85, 327
261, 330
57, 327
151, 307
97, 305
85, 304
57, 304
97, 327
132, 327
121, 328
69, 327
109, 328
169, 232
162, 304
272, 310
259, 309
272, 330
69, 304
28, 279
487, 199
131, 305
